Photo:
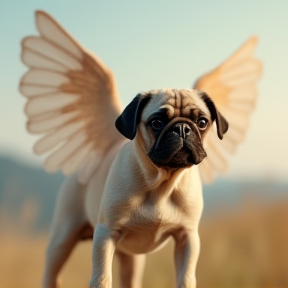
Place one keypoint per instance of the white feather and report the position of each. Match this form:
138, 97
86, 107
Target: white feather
49, 141
52, 52
56, 159
235, 135
246, 79
31, 90
247, 67
43, 77
245, 51
52, 31
32, 59
91, 163
77, 159
51, 123
46, 103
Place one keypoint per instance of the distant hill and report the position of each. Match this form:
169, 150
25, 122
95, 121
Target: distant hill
21, 184
30, 192
229, 194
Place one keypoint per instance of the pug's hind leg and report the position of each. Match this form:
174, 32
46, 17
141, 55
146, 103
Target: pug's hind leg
67, 229
58, 250
131, 269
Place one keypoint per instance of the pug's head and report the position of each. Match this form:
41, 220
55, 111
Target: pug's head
172, 124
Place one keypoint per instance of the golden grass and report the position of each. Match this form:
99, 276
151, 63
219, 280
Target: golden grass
247, 248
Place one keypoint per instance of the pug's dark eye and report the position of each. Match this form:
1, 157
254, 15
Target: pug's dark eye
202, 123
157, 124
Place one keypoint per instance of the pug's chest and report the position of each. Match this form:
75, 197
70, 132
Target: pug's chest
153, 219
147, 226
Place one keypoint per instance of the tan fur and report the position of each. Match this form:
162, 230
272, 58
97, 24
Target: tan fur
134, 206
72, 101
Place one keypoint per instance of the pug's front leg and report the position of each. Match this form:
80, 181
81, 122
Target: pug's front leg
104, 244
187, 249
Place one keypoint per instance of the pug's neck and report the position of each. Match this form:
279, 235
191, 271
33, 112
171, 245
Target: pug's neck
154, 176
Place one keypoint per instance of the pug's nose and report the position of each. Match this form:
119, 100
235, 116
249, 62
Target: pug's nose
181, 129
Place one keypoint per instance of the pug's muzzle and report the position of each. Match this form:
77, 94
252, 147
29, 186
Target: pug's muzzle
178, 145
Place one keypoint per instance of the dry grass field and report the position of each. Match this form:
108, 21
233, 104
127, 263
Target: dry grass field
243, 248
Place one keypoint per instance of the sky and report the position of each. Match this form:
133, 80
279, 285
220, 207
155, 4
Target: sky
158, 44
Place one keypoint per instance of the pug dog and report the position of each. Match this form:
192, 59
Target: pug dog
148, 191
133, 179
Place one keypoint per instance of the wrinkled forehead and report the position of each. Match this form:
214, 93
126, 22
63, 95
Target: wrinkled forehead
177, 103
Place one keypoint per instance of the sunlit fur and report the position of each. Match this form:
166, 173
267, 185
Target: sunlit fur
72, 100
134, 206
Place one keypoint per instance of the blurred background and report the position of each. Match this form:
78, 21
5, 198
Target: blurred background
153, 44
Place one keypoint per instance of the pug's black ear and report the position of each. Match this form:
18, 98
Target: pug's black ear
127, 122
221, 122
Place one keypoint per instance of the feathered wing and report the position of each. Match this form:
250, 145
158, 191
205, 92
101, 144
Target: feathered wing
71, 99
232, 86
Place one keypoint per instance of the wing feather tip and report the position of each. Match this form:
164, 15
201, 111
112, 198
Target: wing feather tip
28, 128
254, 39
67, 172
36, 150
50, 170
20, 88
41, 13
22, 43
26, 109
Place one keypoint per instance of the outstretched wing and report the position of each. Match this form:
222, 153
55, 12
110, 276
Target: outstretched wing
71, 99
232, 86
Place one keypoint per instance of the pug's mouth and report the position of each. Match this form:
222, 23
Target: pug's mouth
175, 152
181, 159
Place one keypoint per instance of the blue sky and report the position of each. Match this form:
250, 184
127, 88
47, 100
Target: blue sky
156, 44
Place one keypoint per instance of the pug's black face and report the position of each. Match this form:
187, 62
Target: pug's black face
171, 125
178, 142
